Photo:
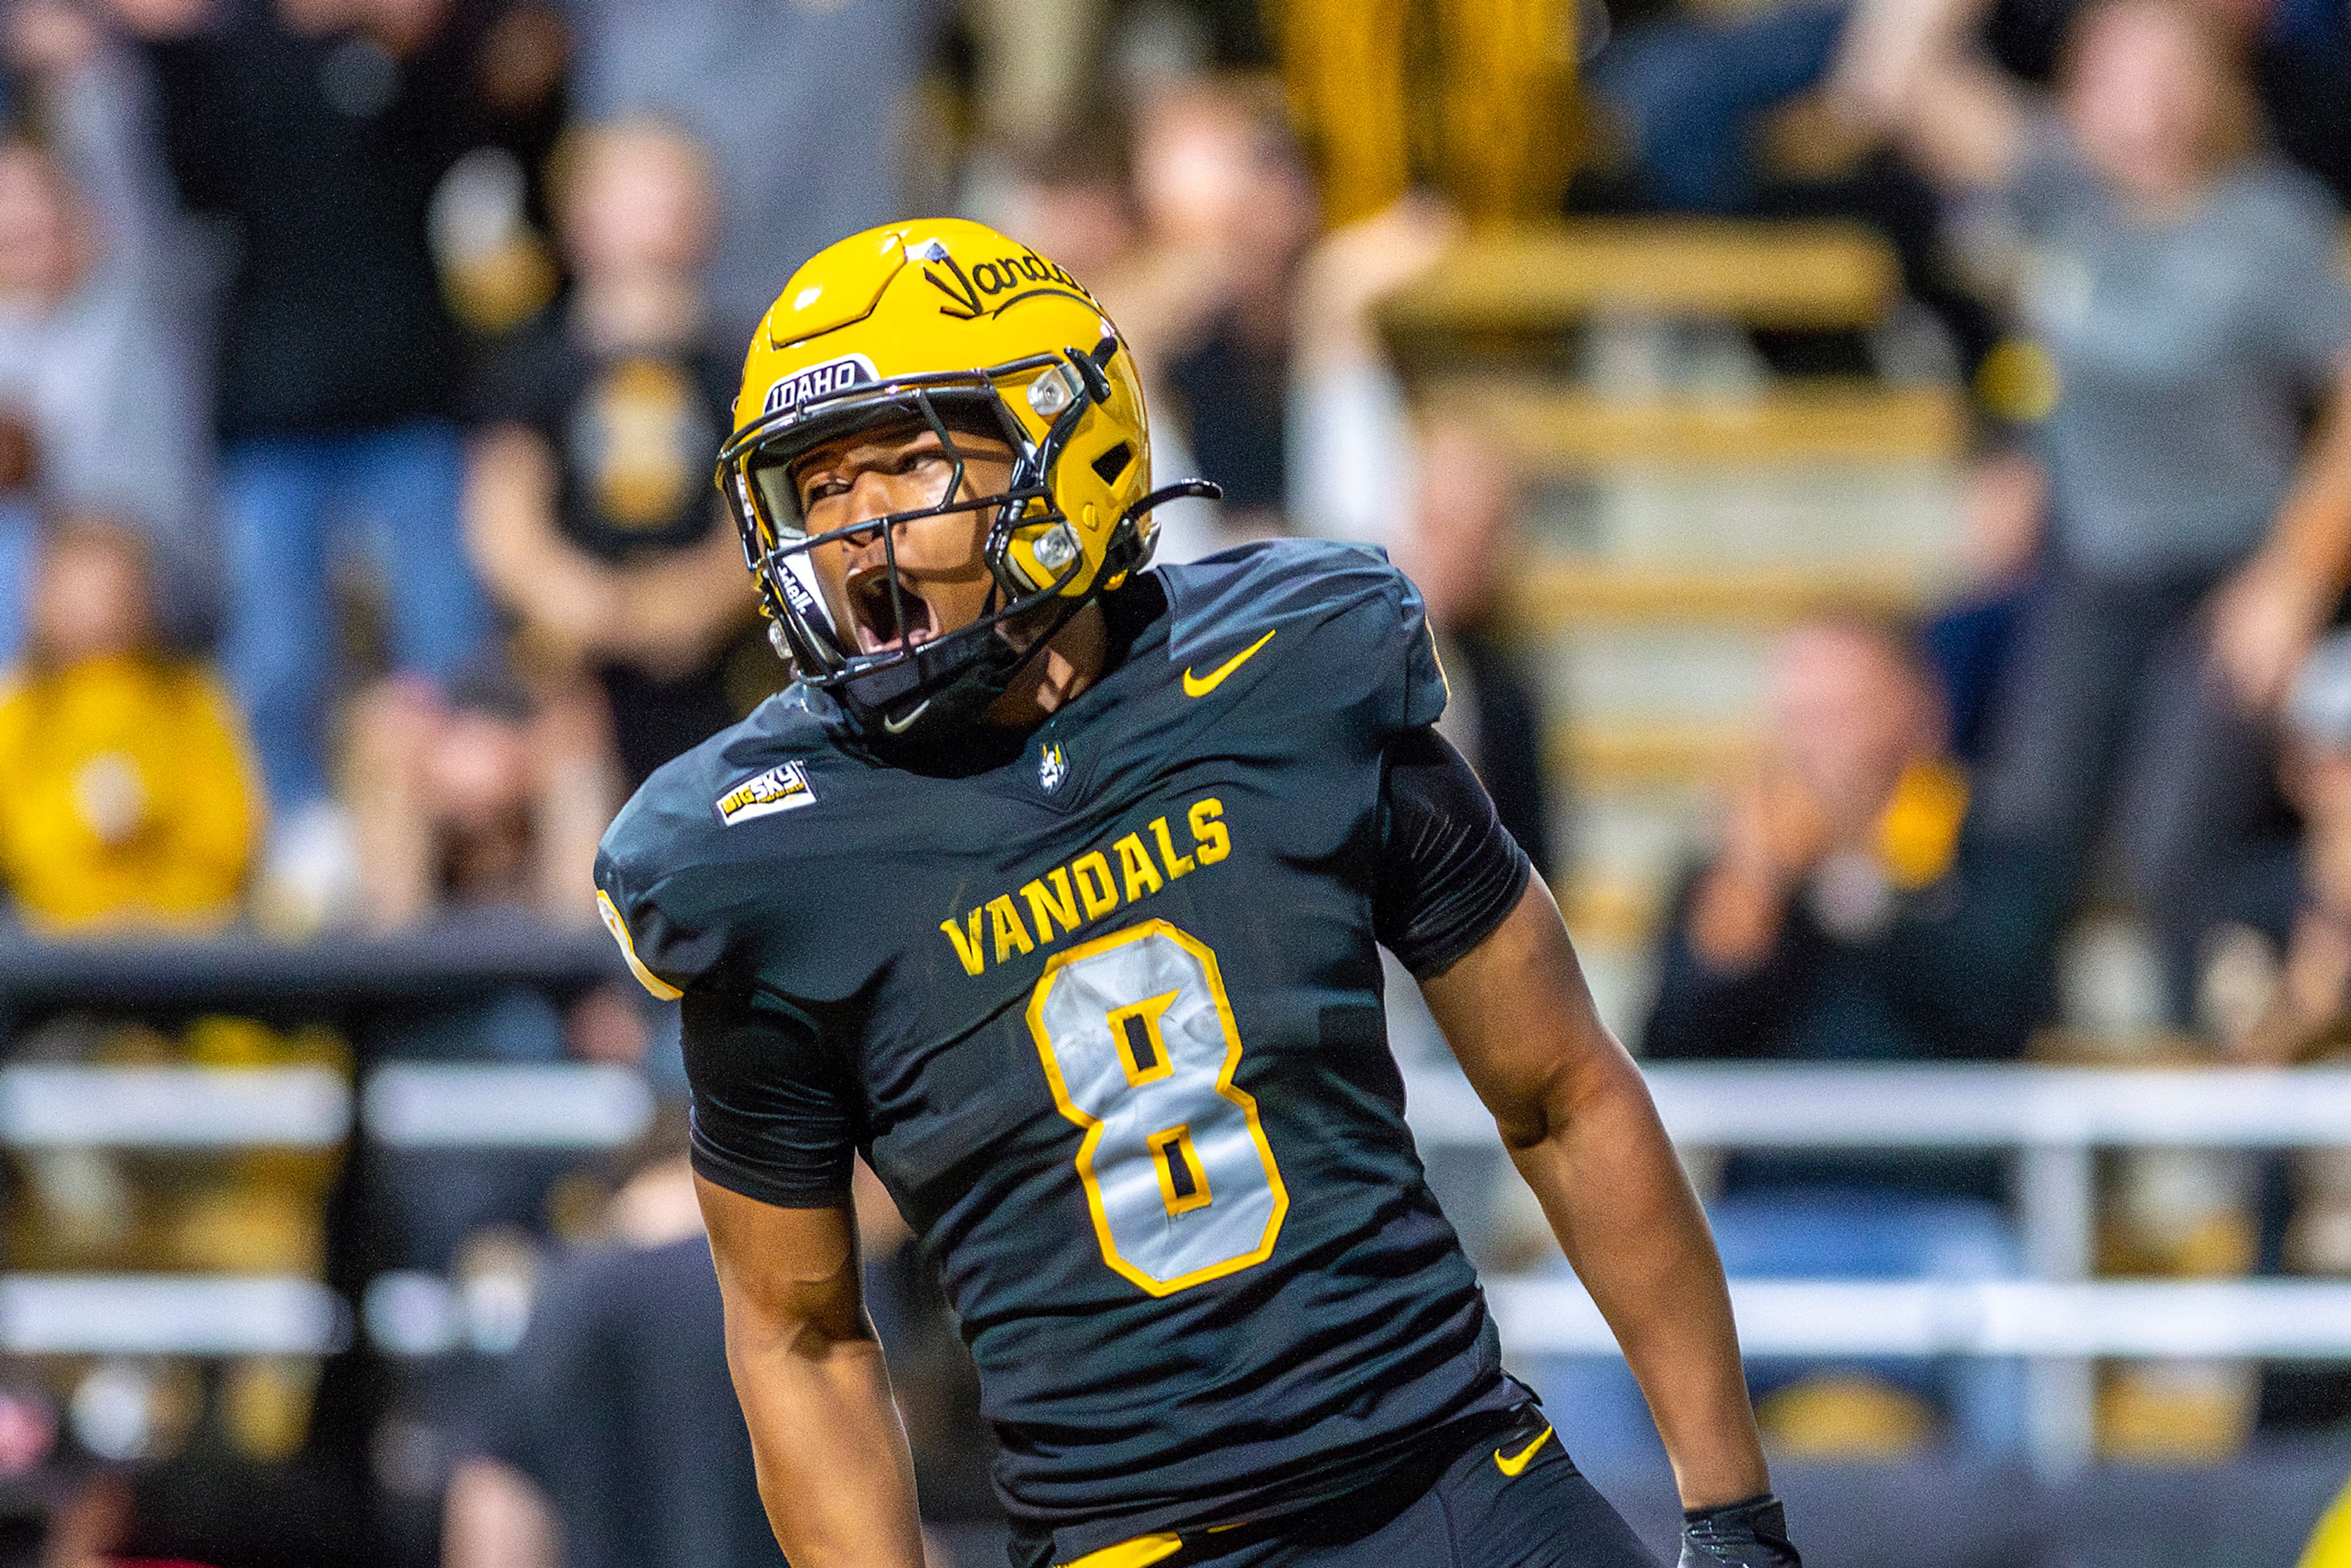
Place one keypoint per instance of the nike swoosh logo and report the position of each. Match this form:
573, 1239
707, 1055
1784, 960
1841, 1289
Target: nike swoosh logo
1201, 686
1516, 1462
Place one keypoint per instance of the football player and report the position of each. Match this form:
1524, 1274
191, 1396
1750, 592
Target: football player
1053, 887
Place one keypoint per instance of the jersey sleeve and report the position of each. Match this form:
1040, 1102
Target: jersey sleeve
1420, 688
667, 890
774, 1115
665, 951
1450, 872
1347, 629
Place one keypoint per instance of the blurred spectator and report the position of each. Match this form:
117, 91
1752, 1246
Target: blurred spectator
1350, 465
1074, 201
98, 355
1482, 100
2003, 507
126, 792
1219, 175
2300, 1009
475, 1213
1847, 916
318, 131
2295, 1006
1687, 91
589, 506
496, 269
486, 797
2300, 52
2188, 292
615, 1441
801, 105
588, 501
1034, 60
1439, 494
1461, 533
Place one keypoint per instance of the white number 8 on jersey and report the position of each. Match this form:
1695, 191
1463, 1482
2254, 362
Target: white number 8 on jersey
1137, 1038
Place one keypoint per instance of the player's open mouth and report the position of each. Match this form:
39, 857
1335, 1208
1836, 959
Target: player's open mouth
876, 613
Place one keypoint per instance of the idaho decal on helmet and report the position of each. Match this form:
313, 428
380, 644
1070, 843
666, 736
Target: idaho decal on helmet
951, 326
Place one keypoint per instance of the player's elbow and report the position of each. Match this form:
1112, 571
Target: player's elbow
1535, 1103
772, 1313
809, 1333
1561, 1089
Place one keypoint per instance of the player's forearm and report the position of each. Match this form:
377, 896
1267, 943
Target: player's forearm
1625, 1214
834, 1472
1574, 1111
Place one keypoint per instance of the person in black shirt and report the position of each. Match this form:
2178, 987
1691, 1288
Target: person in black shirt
589, 508
317, 135
613, 1439
1850, 913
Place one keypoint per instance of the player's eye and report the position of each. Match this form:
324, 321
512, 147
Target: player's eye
822, 487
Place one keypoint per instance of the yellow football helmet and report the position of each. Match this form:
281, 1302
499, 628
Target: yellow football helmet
951, 324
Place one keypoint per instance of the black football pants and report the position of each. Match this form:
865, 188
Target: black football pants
1512, 1501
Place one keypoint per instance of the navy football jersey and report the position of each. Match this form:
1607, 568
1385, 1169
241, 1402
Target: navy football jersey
1104, 1015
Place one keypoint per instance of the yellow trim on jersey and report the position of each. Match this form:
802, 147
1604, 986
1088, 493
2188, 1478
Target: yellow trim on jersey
1145, 1012
1093, 1128
1139, 1552
1167, 1148
620, 930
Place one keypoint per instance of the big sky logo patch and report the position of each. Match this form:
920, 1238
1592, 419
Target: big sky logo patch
783, 788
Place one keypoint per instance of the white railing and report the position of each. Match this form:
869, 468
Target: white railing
2053, 1121
66, 1106
414, 1106
163, 1314
2286, 1319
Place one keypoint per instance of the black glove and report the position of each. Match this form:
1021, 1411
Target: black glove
1751, 1534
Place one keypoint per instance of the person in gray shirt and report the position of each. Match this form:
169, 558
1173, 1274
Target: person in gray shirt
100, 351
802, 103
2185, 293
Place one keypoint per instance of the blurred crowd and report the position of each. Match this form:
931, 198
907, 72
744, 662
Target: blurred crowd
361, 366
2125, 218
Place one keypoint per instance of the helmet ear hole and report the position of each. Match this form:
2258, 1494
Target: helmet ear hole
1113, 463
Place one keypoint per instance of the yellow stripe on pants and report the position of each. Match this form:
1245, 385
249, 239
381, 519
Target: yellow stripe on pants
1139, 1552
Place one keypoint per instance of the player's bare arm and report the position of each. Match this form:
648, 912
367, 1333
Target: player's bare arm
834, 1472
1577, 1119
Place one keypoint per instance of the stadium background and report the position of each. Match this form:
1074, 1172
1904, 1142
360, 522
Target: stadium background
359, 363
